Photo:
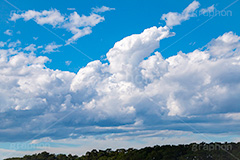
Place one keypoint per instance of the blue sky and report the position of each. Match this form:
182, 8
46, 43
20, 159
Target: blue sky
130, 17
79, 75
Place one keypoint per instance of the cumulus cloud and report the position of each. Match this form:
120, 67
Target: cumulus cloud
102, 9
52, 17
52, 47
78, 25
174, 18
8, 32
134, 92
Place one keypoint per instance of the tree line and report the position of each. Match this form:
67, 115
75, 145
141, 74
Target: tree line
193, 151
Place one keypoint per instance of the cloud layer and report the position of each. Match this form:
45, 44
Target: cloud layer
136, 92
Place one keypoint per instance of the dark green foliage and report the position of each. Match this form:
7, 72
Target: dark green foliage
202, 151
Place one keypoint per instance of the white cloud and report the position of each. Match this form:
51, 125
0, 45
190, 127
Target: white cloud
128, 53
102, 9
136, 90
174, 18
2, 44
78, 25
35, 38
224, 44
207, 11
52, 17
14, 44
52, 47
68, 62
84, 22
184, 85
31, 47
8, 32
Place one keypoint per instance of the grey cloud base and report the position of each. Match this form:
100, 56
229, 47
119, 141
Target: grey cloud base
135, 93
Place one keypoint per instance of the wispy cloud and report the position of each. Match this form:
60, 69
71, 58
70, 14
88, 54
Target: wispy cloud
52, 47
81, 25
14, 44
68, 62
174, 18
31, 47
35, 38
78, 25
102, 9
207, 10
8, 32
52, 17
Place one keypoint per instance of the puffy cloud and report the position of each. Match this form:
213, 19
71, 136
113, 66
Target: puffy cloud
130, 95
78, 25
224, 44
133, 49
174, 18
102, 9
52, 47
17, 72
8, 32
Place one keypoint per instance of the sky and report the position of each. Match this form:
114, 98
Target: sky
78, 75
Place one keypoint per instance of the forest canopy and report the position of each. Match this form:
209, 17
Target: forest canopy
201, 151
